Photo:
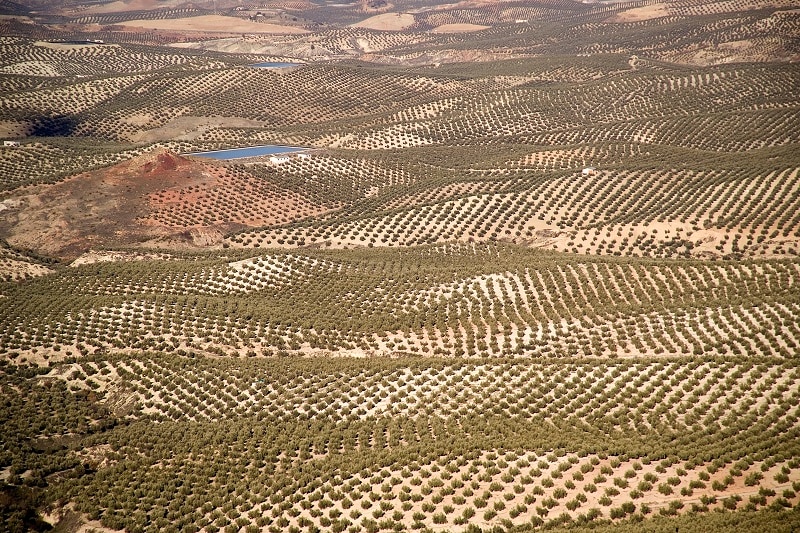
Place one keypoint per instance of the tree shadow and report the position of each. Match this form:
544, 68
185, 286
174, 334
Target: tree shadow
54, 126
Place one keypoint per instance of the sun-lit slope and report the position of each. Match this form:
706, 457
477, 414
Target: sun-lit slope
568, 110
384, 333
387, 22
337, 178
506, 164
47, 160
19, 56
424, 443
690, 32
213, 24
695, 33
123, 107
411, 164
16, 265
707, 7
640, 200
451, 300
154, 197
228, 198
90, 90
695, 110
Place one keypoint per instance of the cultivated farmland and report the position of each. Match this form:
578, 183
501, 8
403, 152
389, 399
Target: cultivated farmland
536, 267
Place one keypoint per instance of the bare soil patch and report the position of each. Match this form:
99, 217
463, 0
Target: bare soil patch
740, 51
639, 14
458, 28
158, 198
16, 269
92, 257
13, 128
214, 24
132, 5
187, 128
387, 22
94, 208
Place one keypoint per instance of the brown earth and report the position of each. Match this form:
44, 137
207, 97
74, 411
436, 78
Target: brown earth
185, 127
124, 205
95, 209
639, 14
458, 28
387, 22
214, 23
13, 128
121, 6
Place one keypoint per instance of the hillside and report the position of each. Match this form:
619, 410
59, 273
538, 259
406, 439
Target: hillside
501, 266
158, 199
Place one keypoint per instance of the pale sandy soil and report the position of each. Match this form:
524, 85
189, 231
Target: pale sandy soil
98, 455
289, 49
387, 22
214, 23
187, 128
43, 356
138, 119
706, 240
663, 9
132, 5
471, 4
458, 28
736, 45
94, 526
11, 128
90, 258
638, 14
16, 269
85, 525
31, 68
734, 52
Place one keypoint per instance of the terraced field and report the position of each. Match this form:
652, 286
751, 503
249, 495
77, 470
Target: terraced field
538, 269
